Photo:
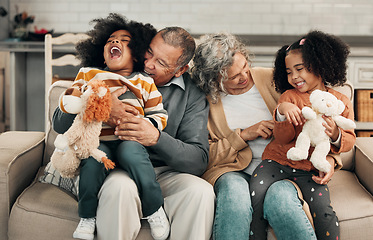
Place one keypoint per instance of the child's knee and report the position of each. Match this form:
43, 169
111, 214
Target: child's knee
281, 193
91, 166
131, 152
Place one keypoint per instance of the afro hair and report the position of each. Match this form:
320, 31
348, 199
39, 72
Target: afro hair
90, 51
323, 54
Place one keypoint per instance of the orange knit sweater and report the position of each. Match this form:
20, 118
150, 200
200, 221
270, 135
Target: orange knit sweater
285, 134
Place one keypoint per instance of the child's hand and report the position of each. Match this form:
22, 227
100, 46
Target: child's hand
324, 178
118, 108
292, 113
331, 129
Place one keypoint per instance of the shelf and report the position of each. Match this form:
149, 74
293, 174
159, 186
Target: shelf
364, 125
31, 47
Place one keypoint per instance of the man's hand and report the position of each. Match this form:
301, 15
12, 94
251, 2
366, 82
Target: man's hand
120, 109
324, 178
261, 129
292, 113
137, 129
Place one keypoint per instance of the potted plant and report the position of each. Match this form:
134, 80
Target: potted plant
20, 25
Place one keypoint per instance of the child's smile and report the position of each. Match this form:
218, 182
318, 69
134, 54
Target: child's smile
300, 84
299, 76
117, 54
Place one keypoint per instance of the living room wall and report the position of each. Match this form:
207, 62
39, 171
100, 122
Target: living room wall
286, 17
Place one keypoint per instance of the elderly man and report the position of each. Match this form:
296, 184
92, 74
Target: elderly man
179, 153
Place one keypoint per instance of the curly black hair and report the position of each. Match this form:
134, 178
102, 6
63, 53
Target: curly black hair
323, 54
90, 51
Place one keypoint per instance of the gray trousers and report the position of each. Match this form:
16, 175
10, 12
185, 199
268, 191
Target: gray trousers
188, 202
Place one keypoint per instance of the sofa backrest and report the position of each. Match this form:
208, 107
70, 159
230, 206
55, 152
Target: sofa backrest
347, 158
54, 94
58, 87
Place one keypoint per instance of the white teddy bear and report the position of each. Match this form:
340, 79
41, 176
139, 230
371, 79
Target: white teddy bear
313, 132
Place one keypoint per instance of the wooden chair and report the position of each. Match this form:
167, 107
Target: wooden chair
65, 60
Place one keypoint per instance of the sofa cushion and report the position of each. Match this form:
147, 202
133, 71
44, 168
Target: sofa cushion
348, 160
20, 158
353, 205
43, 211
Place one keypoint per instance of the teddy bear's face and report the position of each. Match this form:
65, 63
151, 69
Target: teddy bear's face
326, 103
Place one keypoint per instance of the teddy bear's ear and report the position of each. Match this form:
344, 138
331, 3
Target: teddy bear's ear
341, 106
87, 91
315, 95
102, 91
71, 104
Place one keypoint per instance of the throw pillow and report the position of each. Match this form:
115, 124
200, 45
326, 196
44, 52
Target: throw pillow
52, 176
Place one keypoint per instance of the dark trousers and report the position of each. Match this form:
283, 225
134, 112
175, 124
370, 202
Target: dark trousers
316, 195
133, 158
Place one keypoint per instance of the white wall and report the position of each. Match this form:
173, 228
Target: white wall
4, 24
288, 17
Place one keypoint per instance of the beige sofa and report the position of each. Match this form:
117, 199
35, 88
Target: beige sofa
33, 210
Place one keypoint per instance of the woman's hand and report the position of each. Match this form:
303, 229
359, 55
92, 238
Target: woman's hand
324, 178
119, 109
292, 113
331, 129
261, 129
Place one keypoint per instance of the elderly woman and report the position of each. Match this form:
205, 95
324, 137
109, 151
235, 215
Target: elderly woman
240, 125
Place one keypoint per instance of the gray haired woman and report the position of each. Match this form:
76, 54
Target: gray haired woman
240, 126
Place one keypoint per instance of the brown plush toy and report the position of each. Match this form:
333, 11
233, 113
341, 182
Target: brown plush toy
81, 140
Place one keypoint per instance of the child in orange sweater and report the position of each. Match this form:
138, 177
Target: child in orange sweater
315, 61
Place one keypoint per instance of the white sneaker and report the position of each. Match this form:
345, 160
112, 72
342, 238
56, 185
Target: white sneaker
85, 229
159, 225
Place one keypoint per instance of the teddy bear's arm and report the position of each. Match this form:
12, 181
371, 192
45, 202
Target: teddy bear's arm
61, 142
75, 131
308, 113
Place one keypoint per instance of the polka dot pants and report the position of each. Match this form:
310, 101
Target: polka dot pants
317, 197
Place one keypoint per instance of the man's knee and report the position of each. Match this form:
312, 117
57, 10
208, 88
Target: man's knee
202, 188
119, 204
198, 189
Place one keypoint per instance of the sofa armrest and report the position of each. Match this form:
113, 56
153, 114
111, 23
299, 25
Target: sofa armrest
21, 157
364, 162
